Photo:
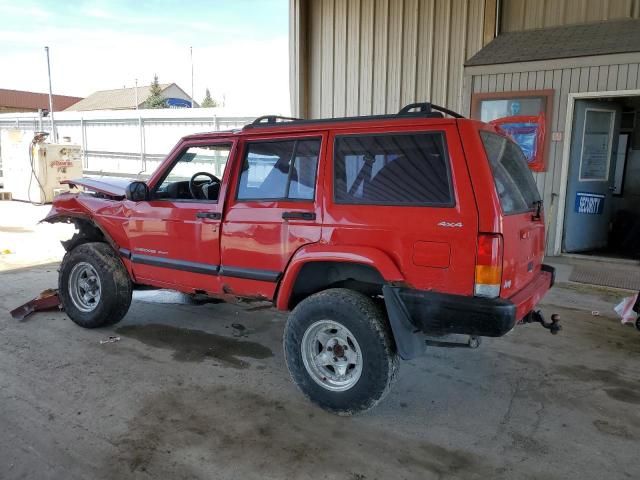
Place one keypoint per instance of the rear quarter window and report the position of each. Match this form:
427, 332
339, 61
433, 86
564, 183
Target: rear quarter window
514, 181
392, 169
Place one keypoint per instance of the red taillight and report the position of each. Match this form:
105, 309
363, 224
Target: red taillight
488, 265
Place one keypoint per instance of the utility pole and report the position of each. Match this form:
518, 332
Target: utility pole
137, 94
53, 123
191, 51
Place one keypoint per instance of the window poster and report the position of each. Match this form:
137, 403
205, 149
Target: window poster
594, 163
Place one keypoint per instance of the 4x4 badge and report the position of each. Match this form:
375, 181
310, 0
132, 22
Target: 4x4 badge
450, 224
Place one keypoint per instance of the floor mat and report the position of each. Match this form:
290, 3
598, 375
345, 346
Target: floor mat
617, 276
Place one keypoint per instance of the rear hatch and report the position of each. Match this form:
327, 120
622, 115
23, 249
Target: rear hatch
522, 220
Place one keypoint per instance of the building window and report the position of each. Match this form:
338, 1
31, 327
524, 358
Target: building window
279, 170
529, 114
392, 169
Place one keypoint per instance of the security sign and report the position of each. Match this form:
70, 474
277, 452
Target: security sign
589, 203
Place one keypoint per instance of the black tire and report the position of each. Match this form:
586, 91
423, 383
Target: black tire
115, 285
368, 324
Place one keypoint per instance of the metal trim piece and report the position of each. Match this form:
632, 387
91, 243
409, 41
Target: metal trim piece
250, 273
205, 268
184, 265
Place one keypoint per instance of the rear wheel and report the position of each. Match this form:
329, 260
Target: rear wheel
94, 286
339, 351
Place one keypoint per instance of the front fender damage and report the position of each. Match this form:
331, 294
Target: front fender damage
68, 209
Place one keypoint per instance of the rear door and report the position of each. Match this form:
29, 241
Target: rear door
273, 210
522, 216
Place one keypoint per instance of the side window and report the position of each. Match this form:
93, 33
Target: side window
209, 159
279, 170
514, 181
392, 169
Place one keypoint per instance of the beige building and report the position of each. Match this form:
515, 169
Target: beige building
132, 98
574, 61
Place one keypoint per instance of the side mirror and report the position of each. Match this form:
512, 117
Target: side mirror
137, 192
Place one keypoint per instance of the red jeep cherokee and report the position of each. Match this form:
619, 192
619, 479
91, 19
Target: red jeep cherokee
372, 231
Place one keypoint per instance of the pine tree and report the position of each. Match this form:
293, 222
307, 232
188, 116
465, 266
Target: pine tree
155, 100
208, 101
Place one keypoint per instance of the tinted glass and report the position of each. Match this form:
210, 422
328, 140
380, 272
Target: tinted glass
279, 170
400, 169
513, 179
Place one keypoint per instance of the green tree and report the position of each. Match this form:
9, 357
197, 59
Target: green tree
155, 100
208, 101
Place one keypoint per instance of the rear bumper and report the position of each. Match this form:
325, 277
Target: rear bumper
527, 298
411, 311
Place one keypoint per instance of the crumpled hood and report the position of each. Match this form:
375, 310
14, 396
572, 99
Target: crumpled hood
114, 186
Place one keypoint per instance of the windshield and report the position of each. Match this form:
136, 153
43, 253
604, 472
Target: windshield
514, 181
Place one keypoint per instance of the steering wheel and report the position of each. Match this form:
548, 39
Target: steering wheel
197, 189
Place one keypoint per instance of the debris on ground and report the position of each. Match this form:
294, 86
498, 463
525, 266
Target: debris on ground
110, 340
47, 300
595, 313
625, 309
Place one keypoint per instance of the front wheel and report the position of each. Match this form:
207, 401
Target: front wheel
339, 351
94, 286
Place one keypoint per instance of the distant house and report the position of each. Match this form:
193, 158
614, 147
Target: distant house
22, 101
125, 98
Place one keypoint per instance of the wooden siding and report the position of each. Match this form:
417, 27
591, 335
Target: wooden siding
374, 56
520, 15
572, 79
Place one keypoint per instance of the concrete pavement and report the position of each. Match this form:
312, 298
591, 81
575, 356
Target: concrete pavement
203, 392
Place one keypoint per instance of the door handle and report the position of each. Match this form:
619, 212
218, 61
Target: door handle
209, 215
299, 216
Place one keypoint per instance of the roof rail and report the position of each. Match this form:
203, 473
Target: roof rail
271, 119
426, 108
423, 109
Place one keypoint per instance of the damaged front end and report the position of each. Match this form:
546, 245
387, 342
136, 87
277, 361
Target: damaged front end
92, 211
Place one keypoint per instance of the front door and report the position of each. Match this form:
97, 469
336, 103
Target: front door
175, 235
596, 125
273, 209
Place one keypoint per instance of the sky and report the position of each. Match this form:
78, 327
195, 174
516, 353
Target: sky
240, 48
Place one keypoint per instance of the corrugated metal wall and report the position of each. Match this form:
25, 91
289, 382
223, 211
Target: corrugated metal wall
527, 14
374, 56
595, 77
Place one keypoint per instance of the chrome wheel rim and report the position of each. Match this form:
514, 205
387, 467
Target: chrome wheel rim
85, 288
331, 355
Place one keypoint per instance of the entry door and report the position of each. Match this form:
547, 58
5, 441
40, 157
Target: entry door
175, 235
596, 126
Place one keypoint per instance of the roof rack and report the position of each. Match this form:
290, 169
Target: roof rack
271, 119
426, 107
421, 109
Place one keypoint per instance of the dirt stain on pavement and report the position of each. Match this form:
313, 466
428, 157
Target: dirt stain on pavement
250, 432
609, 378
612, 429
624, 395
195, 345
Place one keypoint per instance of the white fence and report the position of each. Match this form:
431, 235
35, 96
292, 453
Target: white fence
124, 142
